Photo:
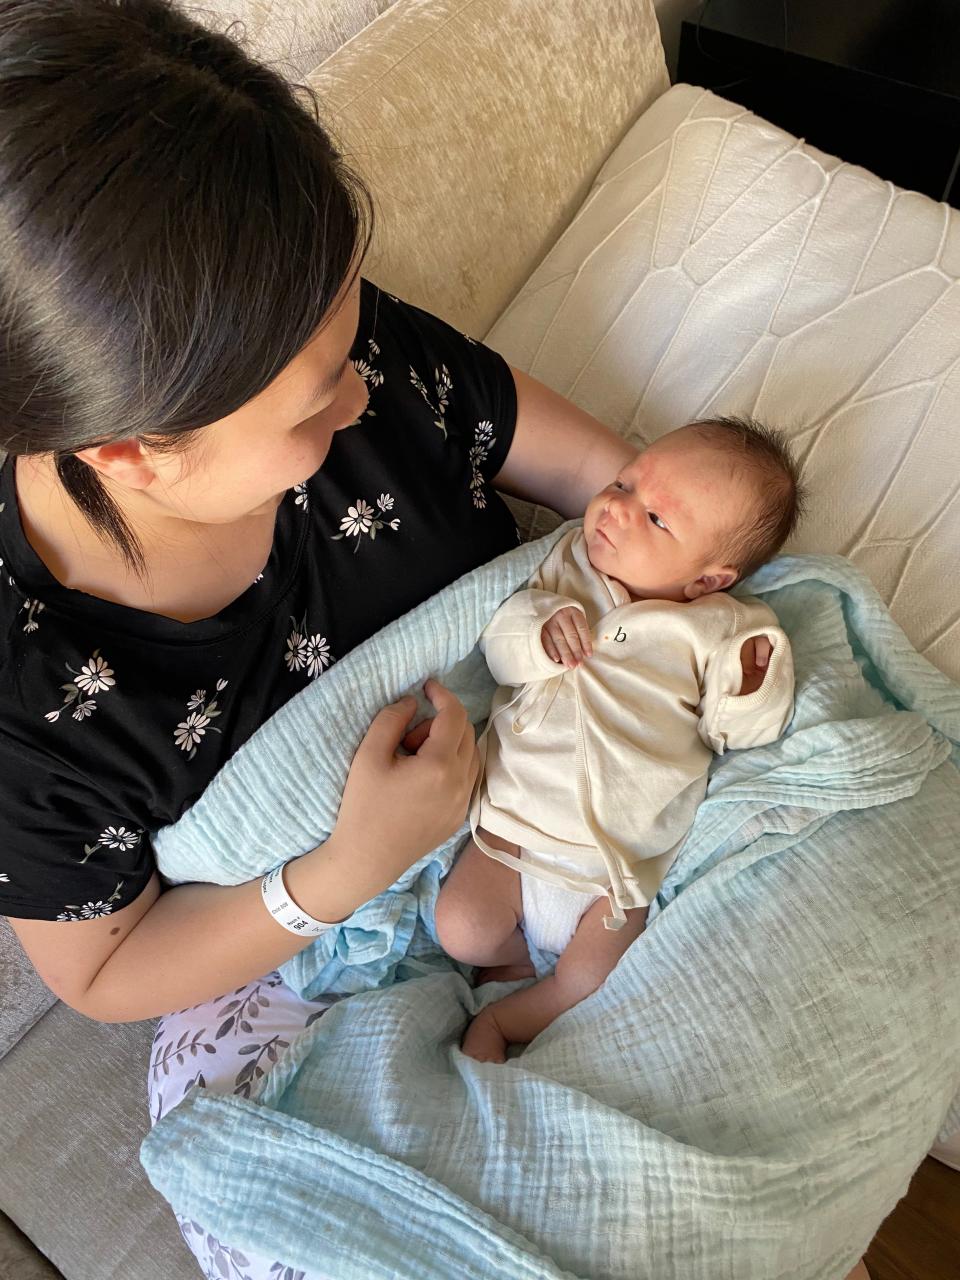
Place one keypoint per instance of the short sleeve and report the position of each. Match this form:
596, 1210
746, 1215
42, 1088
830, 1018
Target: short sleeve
468, 386
65, 853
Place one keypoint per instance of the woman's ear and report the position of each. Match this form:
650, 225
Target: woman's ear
124, 462
721, 578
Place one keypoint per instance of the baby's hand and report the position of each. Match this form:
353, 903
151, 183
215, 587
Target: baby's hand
754, 660
566, 637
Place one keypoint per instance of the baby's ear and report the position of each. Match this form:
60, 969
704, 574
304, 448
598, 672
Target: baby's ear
707, 583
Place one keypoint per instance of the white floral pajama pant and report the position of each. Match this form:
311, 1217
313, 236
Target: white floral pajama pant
227, 1045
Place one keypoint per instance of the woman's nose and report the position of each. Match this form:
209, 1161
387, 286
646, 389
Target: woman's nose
355, 398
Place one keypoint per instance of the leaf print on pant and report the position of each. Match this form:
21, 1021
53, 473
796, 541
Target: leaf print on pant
190, 732
228, 1046
363, 520
303, 650
93, 677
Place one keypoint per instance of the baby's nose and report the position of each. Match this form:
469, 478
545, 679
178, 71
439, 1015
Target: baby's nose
618, 510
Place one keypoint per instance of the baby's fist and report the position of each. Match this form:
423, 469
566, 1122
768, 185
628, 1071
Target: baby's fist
566, 637
754, 660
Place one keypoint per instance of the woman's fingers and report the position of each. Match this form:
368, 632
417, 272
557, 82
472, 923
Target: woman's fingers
447, 726
388, 727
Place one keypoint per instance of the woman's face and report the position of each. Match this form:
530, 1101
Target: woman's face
244, 463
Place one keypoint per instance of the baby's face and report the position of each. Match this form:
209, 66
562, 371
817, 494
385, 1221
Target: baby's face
661, 526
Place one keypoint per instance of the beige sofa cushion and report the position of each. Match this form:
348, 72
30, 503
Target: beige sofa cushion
478, 124
294, 36
720, 266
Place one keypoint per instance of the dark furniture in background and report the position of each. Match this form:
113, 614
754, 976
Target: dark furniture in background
876, 82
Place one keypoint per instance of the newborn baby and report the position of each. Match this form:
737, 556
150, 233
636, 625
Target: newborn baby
622, 666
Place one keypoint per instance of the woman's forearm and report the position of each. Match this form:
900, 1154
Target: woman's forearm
200, 940
560, 456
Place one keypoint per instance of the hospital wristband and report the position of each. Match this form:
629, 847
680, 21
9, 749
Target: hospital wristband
283, 908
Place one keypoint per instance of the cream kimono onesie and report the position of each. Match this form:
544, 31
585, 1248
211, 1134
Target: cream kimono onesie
597, 772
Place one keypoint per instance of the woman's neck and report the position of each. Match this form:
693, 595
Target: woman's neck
192, 570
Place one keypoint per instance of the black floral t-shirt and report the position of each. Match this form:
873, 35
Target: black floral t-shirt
113, 720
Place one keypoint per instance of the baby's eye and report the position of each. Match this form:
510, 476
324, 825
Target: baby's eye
618, 484
656, 520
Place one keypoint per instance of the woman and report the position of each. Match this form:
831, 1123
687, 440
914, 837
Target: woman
230, 461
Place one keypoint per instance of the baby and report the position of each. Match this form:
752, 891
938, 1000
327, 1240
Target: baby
622, 666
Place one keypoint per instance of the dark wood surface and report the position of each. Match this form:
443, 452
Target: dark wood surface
876, 82
915, 41
921, 1238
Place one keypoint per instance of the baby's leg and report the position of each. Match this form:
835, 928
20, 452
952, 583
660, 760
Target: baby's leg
479, 909
591, 954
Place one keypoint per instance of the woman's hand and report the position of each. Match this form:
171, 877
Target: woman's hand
401, 807
566, 637
754, 660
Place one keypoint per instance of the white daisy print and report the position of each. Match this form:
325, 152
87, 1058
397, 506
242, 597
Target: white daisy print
92, 678
91, 910
296, 655
444, 385
112, 838
33, 609
318, 655
484, 439
306, 651
302, 499
95, 676
357, 520
189, 732
119, 838
361, 519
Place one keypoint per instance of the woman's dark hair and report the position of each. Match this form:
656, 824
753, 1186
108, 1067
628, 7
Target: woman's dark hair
174, 224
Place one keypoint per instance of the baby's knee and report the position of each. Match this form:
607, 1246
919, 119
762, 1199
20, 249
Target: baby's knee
457, 926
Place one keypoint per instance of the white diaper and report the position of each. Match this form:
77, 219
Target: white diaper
550, 913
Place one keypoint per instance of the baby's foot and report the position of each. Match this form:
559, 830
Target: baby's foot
503, 973
484, 1039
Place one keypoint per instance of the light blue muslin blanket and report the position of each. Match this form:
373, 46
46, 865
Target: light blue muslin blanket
746, 1096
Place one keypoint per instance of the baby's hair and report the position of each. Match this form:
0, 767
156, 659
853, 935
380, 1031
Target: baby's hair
760, 454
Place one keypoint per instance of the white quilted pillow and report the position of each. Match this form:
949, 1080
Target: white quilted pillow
720, 266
